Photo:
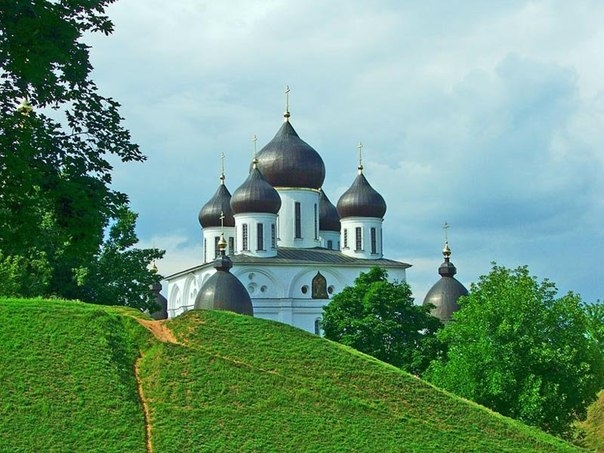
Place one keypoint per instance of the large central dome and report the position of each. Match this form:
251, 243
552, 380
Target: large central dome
288, 161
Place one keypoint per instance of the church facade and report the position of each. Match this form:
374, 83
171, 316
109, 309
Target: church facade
290, 247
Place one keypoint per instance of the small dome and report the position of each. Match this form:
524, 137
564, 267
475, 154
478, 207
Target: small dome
255, 195
445, 292
361, 200
288, 161
210, 213
224, 291
162, 312
329, 220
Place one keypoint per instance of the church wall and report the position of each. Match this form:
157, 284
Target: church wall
211, 236
281, 293
308, 230
333, 236
246, 241
348, 242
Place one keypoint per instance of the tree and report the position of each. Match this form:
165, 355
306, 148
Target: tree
55, 147
517, 349
378, 317
116, 275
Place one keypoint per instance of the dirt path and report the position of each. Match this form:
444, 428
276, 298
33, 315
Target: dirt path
141, 397
164, 334
159, 330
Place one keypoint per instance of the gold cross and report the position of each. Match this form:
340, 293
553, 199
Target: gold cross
222, 167
446, 228
286, 114
254, 139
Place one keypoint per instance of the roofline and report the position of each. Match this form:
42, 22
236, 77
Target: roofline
389, 263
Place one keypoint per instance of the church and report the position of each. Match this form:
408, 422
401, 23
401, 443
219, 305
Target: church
283, 239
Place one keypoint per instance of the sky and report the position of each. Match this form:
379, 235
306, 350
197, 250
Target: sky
486, 115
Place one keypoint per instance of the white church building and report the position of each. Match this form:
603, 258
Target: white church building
289, 245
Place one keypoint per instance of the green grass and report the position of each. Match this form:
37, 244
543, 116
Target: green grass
233, 383
66, 379
593, 427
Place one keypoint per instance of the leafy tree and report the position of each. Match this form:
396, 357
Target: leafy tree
378, 317
116, 276
516, 348
595, 324
56, 147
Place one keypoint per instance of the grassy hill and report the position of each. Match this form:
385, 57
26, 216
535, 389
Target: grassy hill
593, 426
72, 378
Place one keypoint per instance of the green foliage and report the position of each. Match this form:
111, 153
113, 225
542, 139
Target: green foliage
595, 324
232, 383
378, 317
516, 348
24, 276
55, 147
118, 275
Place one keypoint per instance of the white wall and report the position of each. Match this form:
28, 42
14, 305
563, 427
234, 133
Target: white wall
309, 202
350, 224
277, 291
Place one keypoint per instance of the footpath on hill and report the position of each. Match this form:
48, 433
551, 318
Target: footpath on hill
165, 335
159, 330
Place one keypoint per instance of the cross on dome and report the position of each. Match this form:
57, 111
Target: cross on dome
222, 168
360, 148
446, 249
286, 115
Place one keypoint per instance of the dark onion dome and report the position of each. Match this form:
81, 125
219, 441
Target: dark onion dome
162, 302
361, 200
329, 220
288, 161
445, 292
255, 195
219, 204
224, 291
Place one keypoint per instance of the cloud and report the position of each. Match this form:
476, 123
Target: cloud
485, 115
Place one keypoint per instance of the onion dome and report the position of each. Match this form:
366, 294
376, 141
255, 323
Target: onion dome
255, 195
288, 161
224, 291
219, 205
329, 220
361, 200
445, 292
162, 302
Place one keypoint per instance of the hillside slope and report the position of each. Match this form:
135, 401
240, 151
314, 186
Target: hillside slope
223, 382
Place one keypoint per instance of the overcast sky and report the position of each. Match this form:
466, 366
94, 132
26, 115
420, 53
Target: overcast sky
487, 115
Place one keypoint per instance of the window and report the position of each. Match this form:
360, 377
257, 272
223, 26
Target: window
330, 244
245, 236
273, 236
216, 250
345, 238
373, 241
297, 220
205, 250
359, 239
260, 236
316, 230
231, 245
